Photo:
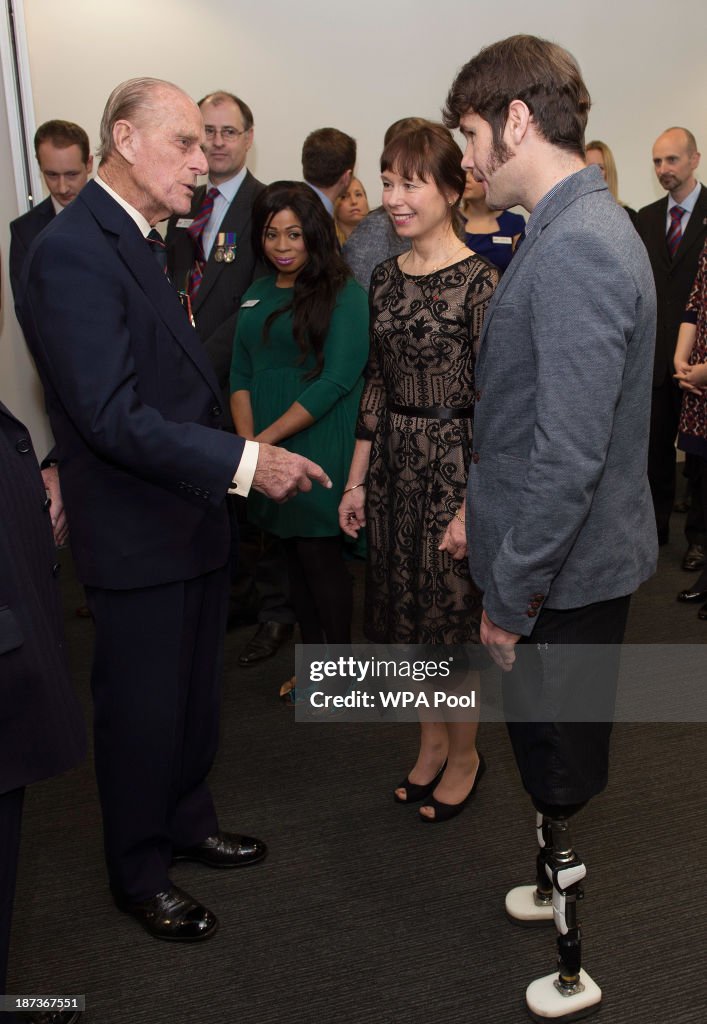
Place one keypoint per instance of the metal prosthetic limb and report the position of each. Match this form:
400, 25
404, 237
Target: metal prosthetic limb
532, 904
571, 994
566, 870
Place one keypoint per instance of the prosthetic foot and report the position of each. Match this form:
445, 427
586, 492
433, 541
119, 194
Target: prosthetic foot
531, 905
570, 994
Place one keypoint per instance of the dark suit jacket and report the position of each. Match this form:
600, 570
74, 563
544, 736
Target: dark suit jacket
673, 278
132, 400
219, 297
23, 232
41, 724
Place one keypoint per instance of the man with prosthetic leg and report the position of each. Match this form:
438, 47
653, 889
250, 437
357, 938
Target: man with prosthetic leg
559, 514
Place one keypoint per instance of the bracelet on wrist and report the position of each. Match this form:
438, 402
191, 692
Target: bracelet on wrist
353, 487
457, 516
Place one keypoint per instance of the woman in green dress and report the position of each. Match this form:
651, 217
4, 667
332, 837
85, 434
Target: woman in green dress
300, 348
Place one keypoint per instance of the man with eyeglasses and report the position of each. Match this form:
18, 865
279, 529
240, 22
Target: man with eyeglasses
211, 261
210, 255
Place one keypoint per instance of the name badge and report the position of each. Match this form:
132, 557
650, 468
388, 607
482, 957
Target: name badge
502, 240
249, 303
185, 222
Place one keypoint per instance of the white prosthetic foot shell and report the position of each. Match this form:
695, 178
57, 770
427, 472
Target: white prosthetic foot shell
521, 906
545, 1003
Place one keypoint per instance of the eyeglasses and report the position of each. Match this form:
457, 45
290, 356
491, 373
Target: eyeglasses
227, 134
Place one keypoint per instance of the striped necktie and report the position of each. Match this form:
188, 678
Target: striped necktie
196, 233
159, 249
675, 230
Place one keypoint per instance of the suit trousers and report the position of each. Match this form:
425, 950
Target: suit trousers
564, 761
699, 470
665, 417
10, 826
156, 684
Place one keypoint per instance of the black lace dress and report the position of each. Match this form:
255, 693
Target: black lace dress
417, 408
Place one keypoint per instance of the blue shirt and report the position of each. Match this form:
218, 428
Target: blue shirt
497, 246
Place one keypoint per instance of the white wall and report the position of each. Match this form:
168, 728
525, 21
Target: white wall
360, 66
19, 386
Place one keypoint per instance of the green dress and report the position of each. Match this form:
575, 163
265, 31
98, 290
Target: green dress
273, 374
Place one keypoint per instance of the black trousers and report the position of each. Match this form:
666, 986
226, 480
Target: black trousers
700, 477
10, 826
259, 575
156, 683
563, 761
665, 417
321, 588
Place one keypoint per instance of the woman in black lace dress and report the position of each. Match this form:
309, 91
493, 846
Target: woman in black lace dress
408, 474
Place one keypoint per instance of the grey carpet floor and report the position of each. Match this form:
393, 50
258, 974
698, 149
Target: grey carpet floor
360, 915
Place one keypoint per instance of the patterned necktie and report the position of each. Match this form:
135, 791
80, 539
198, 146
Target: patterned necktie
675, 230
196, 233
159, 249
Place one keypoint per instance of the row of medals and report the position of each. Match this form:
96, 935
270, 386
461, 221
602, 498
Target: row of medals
225, 250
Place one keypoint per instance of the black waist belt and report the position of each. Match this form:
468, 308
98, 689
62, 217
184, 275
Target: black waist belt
432, 412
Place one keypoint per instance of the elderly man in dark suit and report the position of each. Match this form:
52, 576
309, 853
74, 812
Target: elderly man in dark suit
211, 257
41, 724
673, 230
135, 408
559, 519
64, 158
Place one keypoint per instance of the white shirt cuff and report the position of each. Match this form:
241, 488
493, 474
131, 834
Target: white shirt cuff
243, 477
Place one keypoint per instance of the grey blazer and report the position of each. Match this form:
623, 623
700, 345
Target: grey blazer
559, 509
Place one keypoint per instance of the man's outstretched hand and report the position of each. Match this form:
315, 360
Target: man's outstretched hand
281, 475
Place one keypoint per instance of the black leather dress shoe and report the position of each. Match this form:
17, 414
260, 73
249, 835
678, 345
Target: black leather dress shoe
172, 915
265, 642
702, 613
692, 596
695, 558
52, 1017
225, 850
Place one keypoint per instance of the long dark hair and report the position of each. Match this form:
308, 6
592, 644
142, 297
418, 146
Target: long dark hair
320, 280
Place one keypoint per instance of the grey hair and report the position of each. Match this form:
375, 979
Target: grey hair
124, 103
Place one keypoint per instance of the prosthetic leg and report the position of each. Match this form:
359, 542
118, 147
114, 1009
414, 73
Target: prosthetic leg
532, 904
570, 994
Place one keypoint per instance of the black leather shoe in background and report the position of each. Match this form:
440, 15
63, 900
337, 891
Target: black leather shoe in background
265, 642
702, 613
695, 558
692, 596
225, 850
172, 915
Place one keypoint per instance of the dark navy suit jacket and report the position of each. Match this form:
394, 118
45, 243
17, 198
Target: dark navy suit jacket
41, 724
673, 277
23, 232
219, 297
132, 399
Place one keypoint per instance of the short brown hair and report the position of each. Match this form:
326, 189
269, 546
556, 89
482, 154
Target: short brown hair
403, 125
62, 134
427, 152
327, 153
221, 96
540, 73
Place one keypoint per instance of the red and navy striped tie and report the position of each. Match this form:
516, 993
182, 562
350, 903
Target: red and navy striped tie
675, 230
159, 249
196, 233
